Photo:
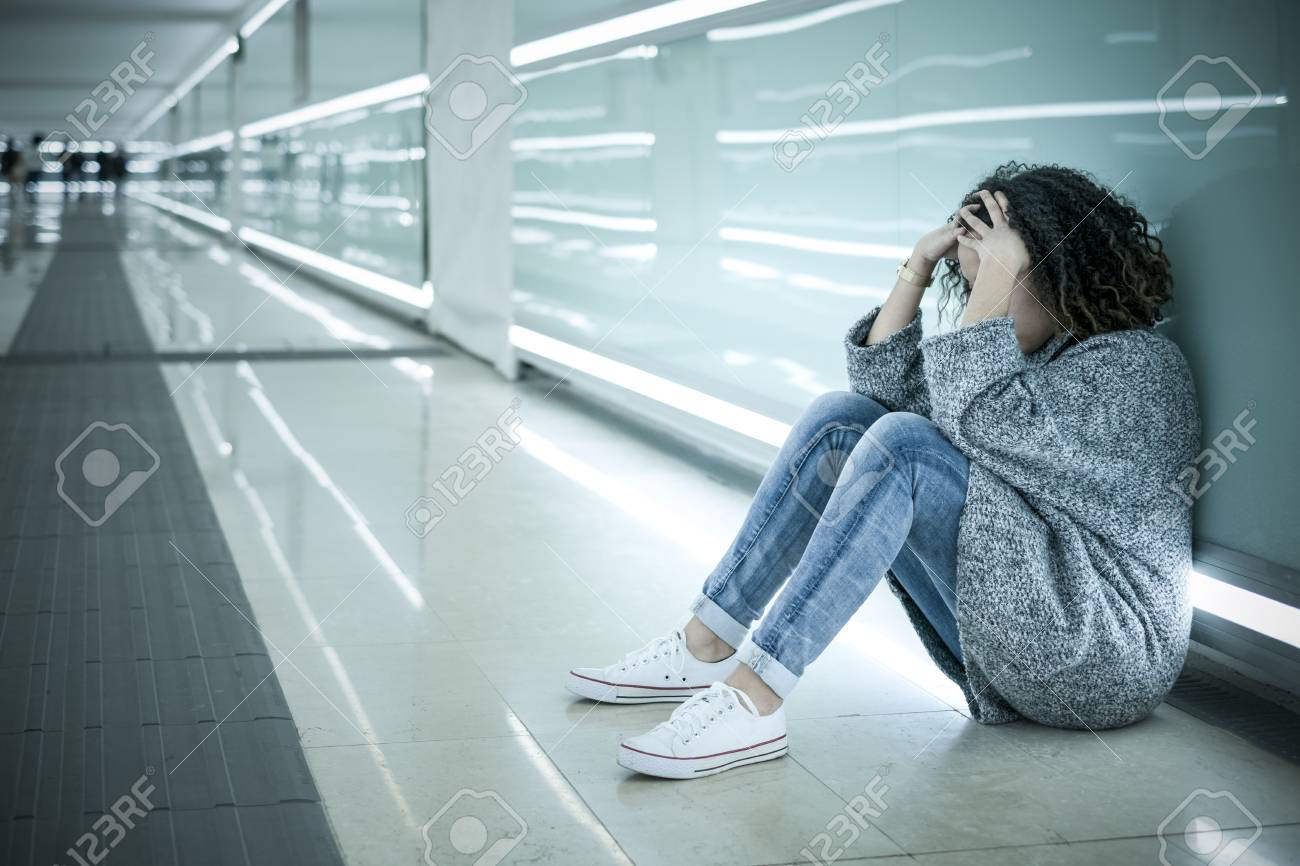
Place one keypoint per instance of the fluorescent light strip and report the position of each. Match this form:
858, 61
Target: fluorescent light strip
816, 245
207, 142
584, 142
1112, 108
748, 269
636, 52
193, 214
797, 22
403, 87
340, 329
688, 400
367, 279
1249, 609
260, 17
581, 218
229, 47
622, 27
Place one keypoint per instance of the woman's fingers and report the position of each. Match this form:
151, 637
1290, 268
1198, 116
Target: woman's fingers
950, 234
1003, 202
973, 223
993, 206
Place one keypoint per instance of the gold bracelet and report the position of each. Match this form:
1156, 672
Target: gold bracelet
908, 275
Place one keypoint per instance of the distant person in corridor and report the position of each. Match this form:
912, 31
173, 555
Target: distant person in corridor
1011, 478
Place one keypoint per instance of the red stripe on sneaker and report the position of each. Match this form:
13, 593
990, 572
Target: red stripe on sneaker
634, 685
702, 757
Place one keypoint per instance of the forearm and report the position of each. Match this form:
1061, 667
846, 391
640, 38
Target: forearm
904, 300
990, 296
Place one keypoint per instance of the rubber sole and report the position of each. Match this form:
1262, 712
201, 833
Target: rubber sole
621, 693
695, 768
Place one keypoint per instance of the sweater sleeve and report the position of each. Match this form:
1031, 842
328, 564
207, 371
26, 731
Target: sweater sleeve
977, 362
1102, 427
889, 372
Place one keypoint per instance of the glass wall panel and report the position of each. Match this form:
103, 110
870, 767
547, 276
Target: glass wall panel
200, 180
268, 70
718, 209
214, 101
196, 179
353, 45
1100, 70
651, 217
350, 186
585, 226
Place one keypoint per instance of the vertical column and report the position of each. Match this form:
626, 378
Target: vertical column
1289, 22
469, 180
174, 124
196, 110
301, 52
235, 117
173, 138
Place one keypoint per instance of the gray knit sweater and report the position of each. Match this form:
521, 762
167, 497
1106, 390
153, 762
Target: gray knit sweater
1073, 552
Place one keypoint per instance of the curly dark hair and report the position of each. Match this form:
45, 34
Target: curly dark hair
1096, 264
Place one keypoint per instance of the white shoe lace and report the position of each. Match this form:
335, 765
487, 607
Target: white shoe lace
670, 647
696, 715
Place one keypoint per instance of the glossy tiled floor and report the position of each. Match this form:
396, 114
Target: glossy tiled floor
424, 674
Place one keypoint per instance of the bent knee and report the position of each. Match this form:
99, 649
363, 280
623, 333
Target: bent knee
844, 407
907, 430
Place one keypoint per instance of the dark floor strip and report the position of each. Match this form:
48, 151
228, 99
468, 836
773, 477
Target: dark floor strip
133, 685
223, 356
120, 245
1217, 702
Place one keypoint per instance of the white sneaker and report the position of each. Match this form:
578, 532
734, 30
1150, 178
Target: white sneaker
661, 671
718, 729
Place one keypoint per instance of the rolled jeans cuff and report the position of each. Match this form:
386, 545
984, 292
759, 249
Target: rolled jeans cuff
720, 622
769, 670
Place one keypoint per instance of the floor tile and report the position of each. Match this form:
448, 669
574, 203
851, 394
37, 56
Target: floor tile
342, 612
758, 814
1275, 846
530, 676
957, 784
388, 803
398, 693
1127, 781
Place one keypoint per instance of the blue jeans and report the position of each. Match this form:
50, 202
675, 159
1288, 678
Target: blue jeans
856, 490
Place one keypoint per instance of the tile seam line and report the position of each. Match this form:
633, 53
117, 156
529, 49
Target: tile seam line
528, 731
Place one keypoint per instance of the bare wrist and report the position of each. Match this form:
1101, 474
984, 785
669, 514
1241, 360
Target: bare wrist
921, 264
